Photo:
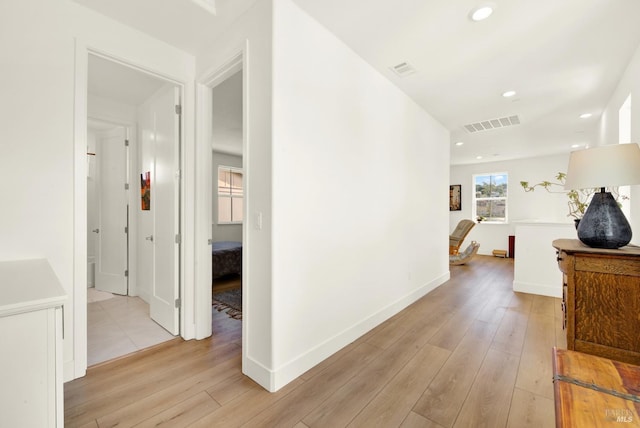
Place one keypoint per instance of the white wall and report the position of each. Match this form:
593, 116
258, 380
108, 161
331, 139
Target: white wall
110, 110
227, 115
523, 206
36, 140
629, 84
42, 215
360, 177
252, 35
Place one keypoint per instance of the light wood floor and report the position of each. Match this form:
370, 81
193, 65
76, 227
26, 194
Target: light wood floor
470, 354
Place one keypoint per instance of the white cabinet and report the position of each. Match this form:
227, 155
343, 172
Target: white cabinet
31, 300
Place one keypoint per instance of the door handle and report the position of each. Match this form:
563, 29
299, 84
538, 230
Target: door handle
96, 230
149, 238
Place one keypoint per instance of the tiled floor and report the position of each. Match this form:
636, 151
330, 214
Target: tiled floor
119, 325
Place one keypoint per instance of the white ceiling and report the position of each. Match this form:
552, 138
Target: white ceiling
181, 23
114, 81
563, 57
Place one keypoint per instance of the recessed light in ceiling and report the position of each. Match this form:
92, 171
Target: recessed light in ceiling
481, 12
509, 94
478, 157
585, 115
575, 146
459, 143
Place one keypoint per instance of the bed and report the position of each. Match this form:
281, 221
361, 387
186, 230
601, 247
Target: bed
226, 258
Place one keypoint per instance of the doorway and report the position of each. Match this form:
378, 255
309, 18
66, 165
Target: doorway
224, 96
133, 216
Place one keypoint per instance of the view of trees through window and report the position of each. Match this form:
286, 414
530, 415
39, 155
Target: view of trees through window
491, 197
230, 195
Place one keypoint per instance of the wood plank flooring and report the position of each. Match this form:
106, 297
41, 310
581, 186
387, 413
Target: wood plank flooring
472, 353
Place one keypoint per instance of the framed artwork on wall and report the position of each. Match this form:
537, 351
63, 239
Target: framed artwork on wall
455, 203
145, 191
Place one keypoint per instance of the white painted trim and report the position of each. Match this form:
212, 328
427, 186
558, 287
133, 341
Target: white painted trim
204, 198
222, 73
133, 200
227, 150
291, 370
101, 53
259, 373
78, 365
540, 289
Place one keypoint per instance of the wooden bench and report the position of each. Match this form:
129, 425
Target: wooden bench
594, 392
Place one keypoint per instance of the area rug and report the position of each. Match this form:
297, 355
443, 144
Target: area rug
229, 301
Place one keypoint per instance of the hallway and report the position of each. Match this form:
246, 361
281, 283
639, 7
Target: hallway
470, 353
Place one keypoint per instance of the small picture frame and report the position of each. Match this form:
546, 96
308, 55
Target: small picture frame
455, 200
145, 191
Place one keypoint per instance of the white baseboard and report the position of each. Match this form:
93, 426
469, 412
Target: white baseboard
541, 289
273, 380
71, 370
259, 373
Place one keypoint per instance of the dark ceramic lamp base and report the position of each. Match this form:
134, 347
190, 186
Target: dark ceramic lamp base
604, 224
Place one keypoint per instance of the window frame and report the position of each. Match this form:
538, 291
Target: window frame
231, 196
475, 198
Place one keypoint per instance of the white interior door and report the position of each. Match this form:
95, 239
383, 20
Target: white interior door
111, 176
165, 194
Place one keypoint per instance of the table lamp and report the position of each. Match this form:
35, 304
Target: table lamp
604, 224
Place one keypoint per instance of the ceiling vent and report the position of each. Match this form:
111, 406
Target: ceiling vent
403, 69
489, 124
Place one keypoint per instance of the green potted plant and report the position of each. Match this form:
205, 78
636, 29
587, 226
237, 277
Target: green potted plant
578, 199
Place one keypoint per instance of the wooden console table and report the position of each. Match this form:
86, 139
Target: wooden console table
594, 392
601, 299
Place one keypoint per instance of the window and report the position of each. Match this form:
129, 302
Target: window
230, 195
490, 197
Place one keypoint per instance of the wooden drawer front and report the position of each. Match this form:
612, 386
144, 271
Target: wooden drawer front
617, 266
607, 310
589, 403
563, 260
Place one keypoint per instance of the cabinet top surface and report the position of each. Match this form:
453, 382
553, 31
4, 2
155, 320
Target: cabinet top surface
27, 285
576, 246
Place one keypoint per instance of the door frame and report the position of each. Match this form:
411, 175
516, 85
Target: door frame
130, 130
204, 208
76, 366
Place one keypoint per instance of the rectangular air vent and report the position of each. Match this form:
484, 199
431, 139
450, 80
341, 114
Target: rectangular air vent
403, 69
486, 125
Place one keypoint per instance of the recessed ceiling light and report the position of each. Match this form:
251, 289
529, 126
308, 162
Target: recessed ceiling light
575, 146
585, 115
509, 94
481, 12
459, 143
478, 157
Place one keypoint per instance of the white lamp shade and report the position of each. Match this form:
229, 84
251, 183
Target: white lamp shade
604, 166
